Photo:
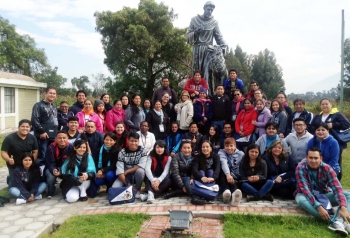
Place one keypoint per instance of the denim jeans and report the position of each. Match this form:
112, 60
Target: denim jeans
10, 176
42, 146
257, 188
14, 191
51, 183
219, 125
304, 203
208, 174
136, 178
108, 180
186, 182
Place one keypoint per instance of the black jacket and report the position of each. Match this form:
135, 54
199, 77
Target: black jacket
76, 107
305, 114
154, 121
179, 169
221, 108
285, 166
95, 142
26, 182
43, 118
200, 163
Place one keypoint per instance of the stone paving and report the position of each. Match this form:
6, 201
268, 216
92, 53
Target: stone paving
32, 219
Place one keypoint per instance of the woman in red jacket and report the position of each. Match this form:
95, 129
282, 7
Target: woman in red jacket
243, 124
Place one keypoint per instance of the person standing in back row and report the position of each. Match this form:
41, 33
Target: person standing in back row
79, 104
165, 88
232, 84
221, 108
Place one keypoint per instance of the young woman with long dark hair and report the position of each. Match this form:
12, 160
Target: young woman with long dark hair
134, 113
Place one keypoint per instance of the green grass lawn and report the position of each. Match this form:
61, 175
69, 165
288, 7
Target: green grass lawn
260, 226
104, 225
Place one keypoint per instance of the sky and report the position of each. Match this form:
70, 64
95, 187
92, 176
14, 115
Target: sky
305, 36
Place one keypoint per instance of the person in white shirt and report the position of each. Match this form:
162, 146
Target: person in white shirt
147, 139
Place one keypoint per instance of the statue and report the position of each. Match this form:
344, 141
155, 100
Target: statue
206, 57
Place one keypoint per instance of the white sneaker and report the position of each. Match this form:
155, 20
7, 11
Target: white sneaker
338, 227
137, 195
236, 198
20, 201
226, 196
49, 197
150, 198
143, 197
39, 197
346, 226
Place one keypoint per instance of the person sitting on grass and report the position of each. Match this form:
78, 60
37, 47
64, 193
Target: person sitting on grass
206, 165
78, 170
157, 172
107, 161
253, 171
316, 179
181, 170
230, 158
280, 169
26, 185
131, 165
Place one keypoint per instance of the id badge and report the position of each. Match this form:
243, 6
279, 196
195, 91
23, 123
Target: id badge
161, 128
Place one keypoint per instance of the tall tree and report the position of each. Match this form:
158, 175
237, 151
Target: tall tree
51, 78
18, 53
99, 84
141, 46
267, 73
81, 83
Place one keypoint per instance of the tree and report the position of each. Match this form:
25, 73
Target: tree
18, 53
267, 73
53, 79
142, 45
99, 84
81, 83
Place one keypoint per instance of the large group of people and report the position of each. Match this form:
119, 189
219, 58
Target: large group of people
243, 142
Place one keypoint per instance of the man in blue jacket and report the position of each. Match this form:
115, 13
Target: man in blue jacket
233, 83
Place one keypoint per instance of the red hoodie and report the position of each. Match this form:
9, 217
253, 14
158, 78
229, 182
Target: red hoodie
245, 118
191, 86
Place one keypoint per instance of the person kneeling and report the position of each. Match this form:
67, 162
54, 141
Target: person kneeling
131, 163
157, 172
25, 183
78, 170
253, 171
206, 166
318, 182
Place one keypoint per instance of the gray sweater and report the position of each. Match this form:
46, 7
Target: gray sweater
235, 158
297, 146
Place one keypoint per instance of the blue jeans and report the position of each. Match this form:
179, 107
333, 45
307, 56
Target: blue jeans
219, 125
42, 146
10, 176
136, 178
186, 182
109, 179
208, 174
14, 191
305, 204
257, 188
51, 183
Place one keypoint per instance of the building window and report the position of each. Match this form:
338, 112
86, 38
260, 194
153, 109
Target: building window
9, 97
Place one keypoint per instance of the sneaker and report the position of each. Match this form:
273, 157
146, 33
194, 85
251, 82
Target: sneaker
226, 196
39, 197
254, 197
268, 197
150, 198
346, 226
236, 198
137, 195
143, 197
338, 227
20, 201
49, 197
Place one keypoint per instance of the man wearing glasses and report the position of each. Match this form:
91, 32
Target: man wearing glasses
62, 115
159, 92
253, 86
298, 139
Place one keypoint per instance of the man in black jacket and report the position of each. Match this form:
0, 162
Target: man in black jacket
79, 104
95, 139
195, 137
44, 122
221, 108
300, 111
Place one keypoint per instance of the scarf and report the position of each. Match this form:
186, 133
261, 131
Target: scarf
269, 140
88, 112
238, 103
186, 159
103, 147
160, 114
203, 101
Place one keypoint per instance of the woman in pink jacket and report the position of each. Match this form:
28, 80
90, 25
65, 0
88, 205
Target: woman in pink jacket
115, 115
88, 114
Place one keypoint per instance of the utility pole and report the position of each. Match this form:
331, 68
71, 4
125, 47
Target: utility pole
342, 62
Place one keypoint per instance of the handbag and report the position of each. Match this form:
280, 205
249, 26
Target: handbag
342, 136
207, 191
121, 195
